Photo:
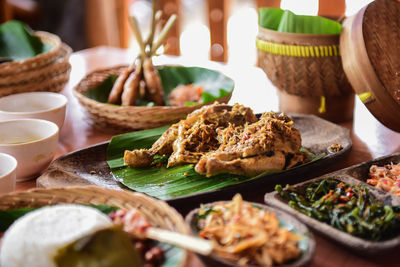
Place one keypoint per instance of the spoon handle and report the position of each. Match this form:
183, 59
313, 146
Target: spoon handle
191, 243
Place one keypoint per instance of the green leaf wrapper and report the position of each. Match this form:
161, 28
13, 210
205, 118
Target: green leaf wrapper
17, 42
286, 21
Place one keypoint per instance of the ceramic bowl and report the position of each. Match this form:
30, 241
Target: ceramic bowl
32, 142
8, 167
35, 105
306, 243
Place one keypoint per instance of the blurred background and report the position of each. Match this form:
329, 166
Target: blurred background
223, 30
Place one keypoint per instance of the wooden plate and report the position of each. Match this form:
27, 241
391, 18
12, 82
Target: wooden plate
88, 166
353, 175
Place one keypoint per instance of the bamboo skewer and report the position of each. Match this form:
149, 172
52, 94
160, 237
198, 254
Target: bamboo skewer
138, 34
168, 26
153, 25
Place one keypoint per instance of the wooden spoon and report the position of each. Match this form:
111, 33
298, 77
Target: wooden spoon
195, 244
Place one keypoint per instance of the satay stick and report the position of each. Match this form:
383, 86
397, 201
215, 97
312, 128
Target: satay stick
163, 34
153, 82
131, 87
116, 92
149, 41
138, 34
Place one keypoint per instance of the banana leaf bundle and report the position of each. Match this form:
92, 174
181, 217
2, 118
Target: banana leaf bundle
286, 21
18, 42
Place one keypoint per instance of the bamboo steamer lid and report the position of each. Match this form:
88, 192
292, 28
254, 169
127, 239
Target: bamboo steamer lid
370, 50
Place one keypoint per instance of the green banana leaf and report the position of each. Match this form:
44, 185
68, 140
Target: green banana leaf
173, 255
215, 84
161, 182
286, 21
17, 42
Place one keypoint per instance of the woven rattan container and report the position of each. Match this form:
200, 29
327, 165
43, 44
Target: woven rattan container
307, 70
156, 211
115, 118
370, 45
45, 72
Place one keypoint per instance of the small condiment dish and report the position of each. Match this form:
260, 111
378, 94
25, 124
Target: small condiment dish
8, 167
32, 142
35, 105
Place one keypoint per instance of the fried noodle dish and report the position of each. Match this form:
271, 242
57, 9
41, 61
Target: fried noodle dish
226, 139
247, 234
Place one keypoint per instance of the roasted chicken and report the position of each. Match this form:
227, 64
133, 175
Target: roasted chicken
188, 140
272, 143
220, 138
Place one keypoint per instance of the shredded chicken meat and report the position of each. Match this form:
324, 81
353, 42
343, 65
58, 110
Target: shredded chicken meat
221, 138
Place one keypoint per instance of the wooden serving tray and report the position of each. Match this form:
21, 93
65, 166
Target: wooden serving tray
89, 167
353, 175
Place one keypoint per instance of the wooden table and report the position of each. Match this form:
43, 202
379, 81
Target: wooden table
370, 138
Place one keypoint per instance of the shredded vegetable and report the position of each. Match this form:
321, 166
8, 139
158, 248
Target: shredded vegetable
247, 234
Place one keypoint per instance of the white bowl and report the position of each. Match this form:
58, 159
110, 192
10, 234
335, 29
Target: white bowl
32, 142
35, 105
8, 167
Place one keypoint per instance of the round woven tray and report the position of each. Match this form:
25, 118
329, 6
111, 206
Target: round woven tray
37, 61
156, 211
57, 66
114, 118
51, 77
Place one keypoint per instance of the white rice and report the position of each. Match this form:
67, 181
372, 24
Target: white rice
34, 239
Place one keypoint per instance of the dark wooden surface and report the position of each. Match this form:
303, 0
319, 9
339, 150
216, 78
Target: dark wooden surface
370, 138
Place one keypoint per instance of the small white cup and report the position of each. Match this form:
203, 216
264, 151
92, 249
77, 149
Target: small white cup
32, 142
35, 105
8, 167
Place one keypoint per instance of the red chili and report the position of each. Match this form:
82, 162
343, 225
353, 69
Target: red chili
343, 198
349, 194
328, 195
340, 185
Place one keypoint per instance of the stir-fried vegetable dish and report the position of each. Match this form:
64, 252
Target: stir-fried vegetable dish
247, 234
349, 208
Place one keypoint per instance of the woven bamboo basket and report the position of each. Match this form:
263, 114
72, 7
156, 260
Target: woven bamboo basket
37, 61
51, 77
156, 211
114, 118
307, 70
370, 45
